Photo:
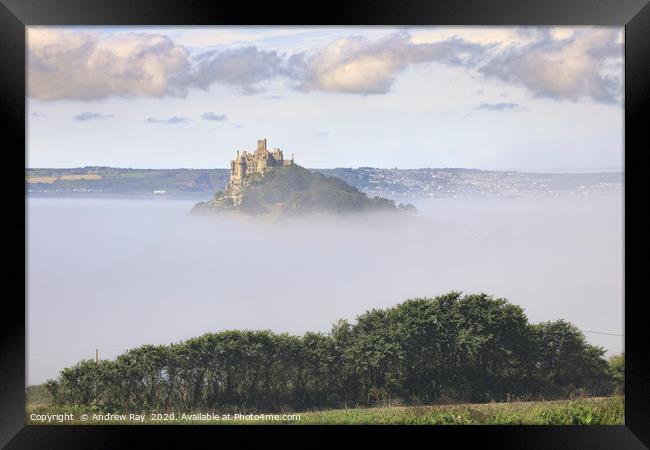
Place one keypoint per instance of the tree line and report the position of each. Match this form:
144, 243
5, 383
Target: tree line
452, 348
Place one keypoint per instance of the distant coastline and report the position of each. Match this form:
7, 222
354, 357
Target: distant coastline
112, 182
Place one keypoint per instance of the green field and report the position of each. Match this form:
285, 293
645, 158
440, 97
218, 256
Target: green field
588, 411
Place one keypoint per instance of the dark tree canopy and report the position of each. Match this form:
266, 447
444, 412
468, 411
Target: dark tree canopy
449, 348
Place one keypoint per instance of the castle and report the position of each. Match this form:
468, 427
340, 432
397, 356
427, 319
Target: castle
259, 161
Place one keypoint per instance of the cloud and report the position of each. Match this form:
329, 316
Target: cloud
83, 66
86, 66
170, 121
87, 115
558, 63
213, 117
476, 34
583, 65
357, 65
241, 68
498, 106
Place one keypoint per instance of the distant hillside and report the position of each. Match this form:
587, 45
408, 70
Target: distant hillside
131, 182
393, 183
294, 190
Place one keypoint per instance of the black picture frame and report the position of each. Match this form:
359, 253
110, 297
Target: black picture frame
634, 15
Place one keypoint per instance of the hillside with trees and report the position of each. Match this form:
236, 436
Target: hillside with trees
294, 190
451, 348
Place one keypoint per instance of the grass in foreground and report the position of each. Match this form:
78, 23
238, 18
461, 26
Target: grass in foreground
591, 411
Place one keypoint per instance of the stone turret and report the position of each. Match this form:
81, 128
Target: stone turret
261, 145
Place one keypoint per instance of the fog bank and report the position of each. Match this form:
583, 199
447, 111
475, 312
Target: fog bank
115, 274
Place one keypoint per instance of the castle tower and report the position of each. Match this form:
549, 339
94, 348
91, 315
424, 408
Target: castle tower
261, 145
277, 155
237, 169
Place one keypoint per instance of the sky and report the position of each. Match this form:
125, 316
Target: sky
513, 98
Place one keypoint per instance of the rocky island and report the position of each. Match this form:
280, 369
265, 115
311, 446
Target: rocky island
264, 183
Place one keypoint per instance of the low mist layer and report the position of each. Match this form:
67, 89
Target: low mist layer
115, 274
